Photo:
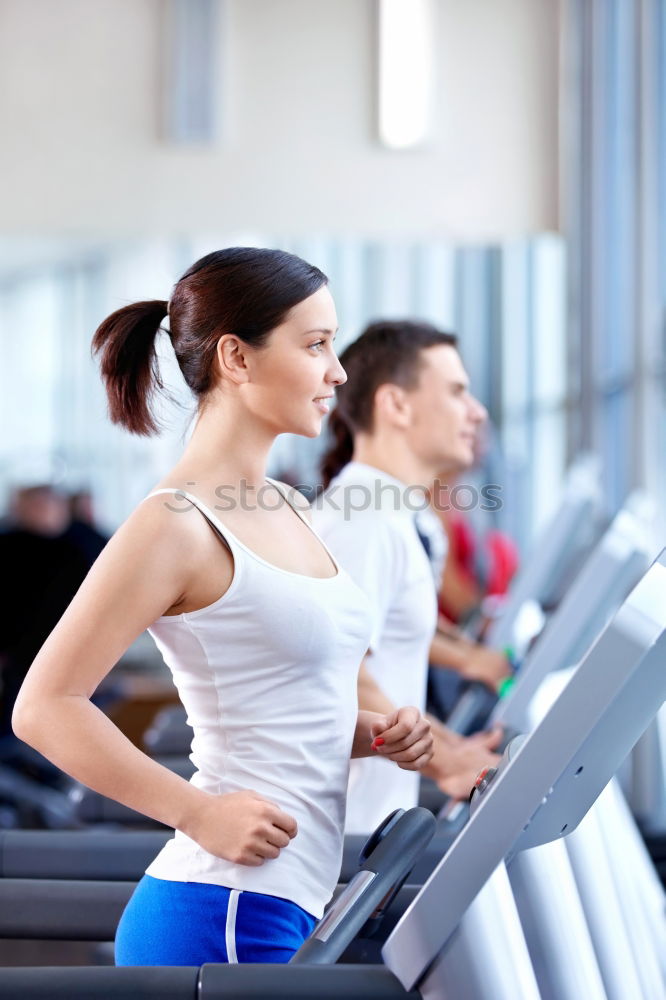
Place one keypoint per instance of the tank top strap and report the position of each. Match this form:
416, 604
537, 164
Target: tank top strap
238, 548
284, 491
227, 536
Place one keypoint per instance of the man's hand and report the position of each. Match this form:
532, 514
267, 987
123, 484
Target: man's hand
487, 665
471, 660
404, 737
455, 765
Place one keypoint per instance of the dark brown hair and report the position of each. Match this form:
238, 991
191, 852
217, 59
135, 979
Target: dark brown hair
388, 351
241, 290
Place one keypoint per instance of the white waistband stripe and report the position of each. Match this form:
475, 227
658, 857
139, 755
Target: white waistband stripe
230, 930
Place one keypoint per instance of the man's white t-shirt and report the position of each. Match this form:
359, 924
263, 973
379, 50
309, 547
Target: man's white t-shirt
368, 520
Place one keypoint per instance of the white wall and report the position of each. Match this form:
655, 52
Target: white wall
81, 149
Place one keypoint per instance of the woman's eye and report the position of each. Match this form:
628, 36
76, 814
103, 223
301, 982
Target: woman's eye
316, 347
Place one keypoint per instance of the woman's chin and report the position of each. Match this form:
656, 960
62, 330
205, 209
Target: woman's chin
309, 429
313, 432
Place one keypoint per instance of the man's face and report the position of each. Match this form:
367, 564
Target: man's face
445, 417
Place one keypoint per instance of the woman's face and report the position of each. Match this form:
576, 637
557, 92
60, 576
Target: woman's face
294, 375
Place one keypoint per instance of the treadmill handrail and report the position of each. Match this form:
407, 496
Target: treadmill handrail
610, 572
555, 776
384, 870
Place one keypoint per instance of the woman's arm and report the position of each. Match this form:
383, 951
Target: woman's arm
373, 705
453, 761
371, 698
401, 734
142, 571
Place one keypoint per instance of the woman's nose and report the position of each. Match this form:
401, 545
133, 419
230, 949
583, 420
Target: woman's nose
337, 375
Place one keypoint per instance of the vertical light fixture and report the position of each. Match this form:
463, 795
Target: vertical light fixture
406, 72
190, 70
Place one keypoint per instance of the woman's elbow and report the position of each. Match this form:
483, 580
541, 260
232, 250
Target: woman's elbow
24, 720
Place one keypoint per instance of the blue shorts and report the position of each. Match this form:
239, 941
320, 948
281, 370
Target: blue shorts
189, 923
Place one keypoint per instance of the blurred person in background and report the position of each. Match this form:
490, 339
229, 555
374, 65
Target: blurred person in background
480, 562
481, 559
83, 530
404, 413
43, 568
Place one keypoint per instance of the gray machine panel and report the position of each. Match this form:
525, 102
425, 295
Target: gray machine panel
545, 787
611, 571
571, 532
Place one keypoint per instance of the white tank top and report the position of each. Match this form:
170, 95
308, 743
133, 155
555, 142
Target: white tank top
267, 675
378, 545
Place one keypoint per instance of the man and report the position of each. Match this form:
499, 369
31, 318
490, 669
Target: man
404, 415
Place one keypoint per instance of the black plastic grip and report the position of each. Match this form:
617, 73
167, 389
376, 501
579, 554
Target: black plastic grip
472, 710
385, 868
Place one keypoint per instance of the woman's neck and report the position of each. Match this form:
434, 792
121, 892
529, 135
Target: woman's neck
226, 449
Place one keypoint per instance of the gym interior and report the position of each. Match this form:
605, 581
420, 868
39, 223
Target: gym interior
491, 173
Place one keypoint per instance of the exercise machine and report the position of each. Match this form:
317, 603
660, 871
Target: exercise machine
462, 934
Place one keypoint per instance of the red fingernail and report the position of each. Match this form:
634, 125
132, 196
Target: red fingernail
379, 742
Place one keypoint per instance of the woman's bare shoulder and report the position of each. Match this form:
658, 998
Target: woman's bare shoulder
297, 499
166, 523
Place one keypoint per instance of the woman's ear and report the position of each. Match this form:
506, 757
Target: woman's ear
392, 405
232, 358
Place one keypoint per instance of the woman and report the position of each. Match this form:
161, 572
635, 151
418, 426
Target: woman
404, 415
262, 630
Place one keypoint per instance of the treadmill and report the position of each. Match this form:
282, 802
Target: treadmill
462, 935
557, 553
615, 565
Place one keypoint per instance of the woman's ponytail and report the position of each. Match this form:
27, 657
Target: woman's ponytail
244, 291
128, 363
341, 450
